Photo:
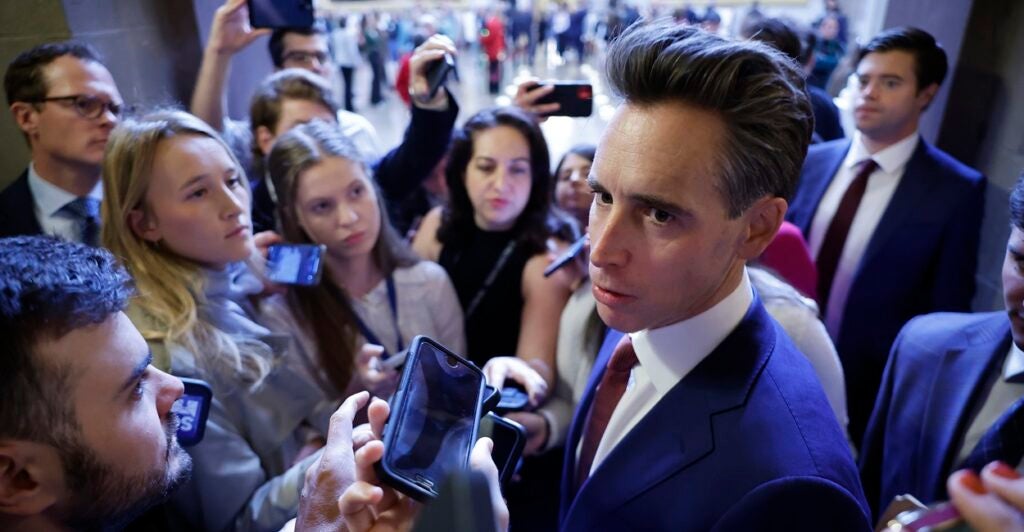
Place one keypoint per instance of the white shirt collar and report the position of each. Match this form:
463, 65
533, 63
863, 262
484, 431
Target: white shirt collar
1014, 364
50, 198
669, 353
890, 159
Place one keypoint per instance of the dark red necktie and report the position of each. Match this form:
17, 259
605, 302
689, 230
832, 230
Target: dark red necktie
606, 397
835, 238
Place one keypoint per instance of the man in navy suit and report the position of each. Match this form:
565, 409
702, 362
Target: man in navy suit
949, 378
892, 221
65, 102
704, 416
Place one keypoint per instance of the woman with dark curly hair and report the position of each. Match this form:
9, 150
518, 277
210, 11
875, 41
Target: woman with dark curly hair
492, 238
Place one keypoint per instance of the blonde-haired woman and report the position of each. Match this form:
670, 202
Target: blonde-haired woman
176, 211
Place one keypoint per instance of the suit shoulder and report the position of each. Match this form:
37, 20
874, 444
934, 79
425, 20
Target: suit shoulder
828, 149
937, 332
16, 189
953, 167
797, 503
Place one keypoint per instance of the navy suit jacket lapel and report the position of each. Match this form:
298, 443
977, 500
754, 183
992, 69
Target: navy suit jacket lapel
914, 188
572, 440
805, 205
959, 384
677, 431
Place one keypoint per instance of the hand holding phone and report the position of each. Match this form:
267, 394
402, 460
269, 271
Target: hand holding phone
574, 98
434, 419
502, 371
567, 256
429, 68
437, 73
509, 439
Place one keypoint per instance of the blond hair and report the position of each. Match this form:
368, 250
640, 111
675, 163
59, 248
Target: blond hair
170, 286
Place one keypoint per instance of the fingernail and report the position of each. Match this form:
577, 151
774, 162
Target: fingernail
971, 481
1000, 469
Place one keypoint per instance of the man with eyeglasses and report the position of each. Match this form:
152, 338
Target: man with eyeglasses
301, 59
65, 102
304, 48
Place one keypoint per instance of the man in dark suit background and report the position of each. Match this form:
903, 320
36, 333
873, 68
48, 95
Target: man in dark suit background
892, 221
950, 379
66, 103
704, 416
798, 44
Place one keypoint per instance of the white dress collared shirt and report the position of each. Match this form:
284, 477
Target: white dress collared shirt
50, 199
881, 187
666, 355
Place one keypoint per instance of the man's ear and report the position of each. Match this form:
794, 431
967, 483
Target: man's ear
143, 225
265, 139
763, 220
31, 478
26, 116
926, 95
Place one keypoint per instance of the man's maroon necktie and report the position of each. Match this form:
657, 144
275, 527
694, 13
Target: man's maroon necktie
835, 238
606, 397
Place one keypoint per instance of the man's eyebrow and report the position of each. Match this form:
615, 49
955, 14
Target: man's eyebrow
594, 185
1015, 251
659, 204
137, 372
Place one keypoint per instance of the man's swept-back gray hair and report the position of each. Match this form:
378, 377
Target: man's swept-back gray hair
758, 93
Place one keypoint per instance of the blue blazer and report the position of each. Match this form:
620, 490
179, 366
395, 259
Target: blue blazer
920, 259
939, 373
746, 441
18, 209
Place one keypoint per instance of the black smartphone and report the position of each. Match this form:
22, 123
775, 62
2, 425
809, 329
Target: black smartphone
513, 398
281, 13
300, 264
192, 409
566, 257
463, 505
509, 439
438, 72
435, 415
575, 98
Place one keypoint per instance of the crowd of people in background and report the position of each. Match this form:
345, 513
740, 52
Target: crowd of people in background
769, 326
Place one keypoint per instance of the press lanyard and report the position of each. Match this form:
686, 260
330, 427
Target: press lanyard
502, 259
393, 303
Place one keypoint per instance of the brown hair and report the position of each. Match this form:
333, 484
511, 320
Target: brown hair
325, 308
265, 109
535, 223
757, 92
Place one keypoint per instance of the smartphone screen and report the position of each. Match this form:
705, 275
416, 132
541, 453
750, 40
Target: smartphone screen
281, 13
295, 264
509, 439
434, 420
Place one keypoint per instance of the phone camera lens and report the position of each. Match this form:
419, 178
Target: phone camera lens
452, 361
